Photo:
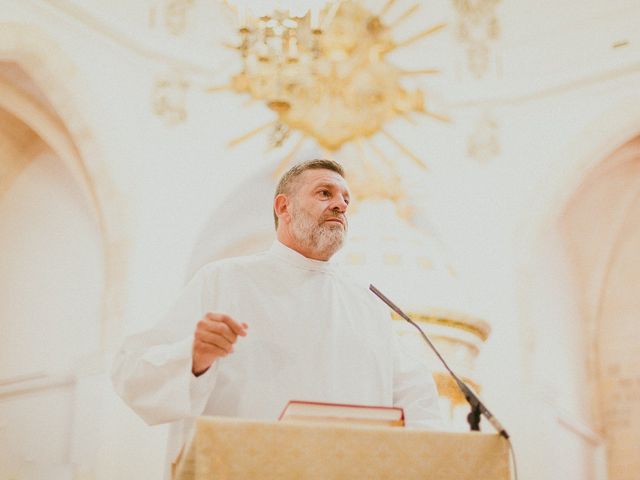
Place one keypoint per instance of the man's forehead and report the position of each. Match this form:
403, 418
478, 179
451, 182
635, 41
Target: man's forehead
321, 176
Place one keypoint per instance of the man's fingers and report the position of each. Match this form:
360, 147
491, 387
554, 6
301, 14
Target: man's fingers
208, 348
214, 337
222, 329
216, 340
218, 327
237, 328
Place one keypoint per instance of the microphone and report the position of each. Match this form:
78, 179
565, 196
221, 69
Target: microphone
477, 407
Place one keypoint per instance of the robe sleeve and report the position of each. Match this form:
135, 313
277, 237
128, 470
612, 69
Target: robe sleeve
415, 390
152, 369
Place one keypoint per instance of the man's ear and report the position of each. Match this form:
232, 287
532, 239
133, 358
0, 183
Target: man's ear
281, 207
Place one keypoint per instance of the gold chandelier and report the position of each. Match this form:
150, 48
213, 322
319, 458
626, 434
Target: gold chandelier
277, 48
323, 71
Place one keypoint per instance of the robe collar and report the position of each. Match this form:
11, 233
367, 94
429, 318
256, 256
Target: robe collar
298, 260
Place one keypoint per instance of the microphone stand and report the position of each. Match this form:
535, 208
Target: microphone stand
477, 407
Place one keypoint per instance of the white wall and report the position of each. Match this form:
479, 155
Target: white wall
52, 277
51, 286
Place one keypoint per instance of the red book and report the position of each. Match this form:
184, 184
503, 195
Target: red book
301, 411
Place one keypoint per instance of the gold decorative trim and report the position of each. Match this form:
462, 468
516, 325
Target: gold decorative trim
448, 388
441, 339
477, 327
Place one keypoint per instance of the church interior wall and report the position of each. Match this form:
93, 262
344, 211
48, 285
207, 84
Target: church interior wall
599, 227
554, 114
53, 282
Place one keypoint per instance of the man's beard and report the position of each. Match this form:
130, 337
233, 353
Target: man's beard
325, 237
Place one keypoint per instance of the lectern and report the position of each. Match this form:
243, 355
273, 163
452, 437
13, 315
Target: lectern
223, 448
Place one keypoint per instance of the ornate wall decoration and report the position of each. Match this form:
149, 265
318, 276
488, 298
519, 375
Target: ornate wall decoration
484, 143
477, 28
173, 13
169, 98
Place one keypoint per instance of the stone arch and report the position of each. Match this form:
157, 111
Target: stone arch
587, 217
601, 227
46, 101
583, 155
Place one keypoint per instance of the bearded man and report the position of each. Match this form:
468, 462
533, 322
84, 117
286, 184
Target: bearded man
249, 334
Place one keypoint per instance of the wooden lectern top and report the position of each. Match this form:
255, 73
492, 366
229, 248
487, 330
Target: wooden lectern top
225, 448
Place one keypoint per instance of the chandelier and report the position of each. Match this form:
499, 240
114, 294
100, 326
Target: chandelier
280, 41
321, 67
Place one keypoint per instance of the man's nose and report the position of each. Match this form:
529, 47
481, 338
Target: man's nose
340, 205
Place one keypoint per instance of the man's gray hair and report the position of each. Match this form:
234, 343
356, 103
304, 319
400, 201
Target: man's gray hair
287, 183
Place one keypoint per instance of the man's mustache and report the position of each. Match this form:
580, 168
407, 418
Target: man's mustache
338, 215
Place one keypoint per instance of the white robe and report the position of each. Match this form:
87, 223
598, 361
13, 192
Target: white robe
313, 335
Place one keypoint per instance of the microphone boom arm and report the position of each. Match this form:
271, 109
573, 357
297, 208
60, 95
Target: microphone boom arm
477, 407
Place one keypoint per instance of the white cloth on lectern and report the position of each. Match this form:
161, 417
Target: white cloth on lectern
313, 334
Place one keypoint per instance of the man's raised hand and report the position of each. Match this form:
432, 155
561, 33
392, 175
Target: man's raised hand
214, 337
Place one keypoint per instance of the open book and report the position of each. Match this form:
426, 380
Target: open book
301, 411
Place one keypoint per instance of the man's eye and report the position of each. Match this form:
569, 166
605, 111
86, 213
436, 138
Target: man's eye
325, 193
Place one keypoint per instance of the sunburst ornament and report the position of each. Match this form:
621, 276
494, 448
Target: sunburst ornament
326, 74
